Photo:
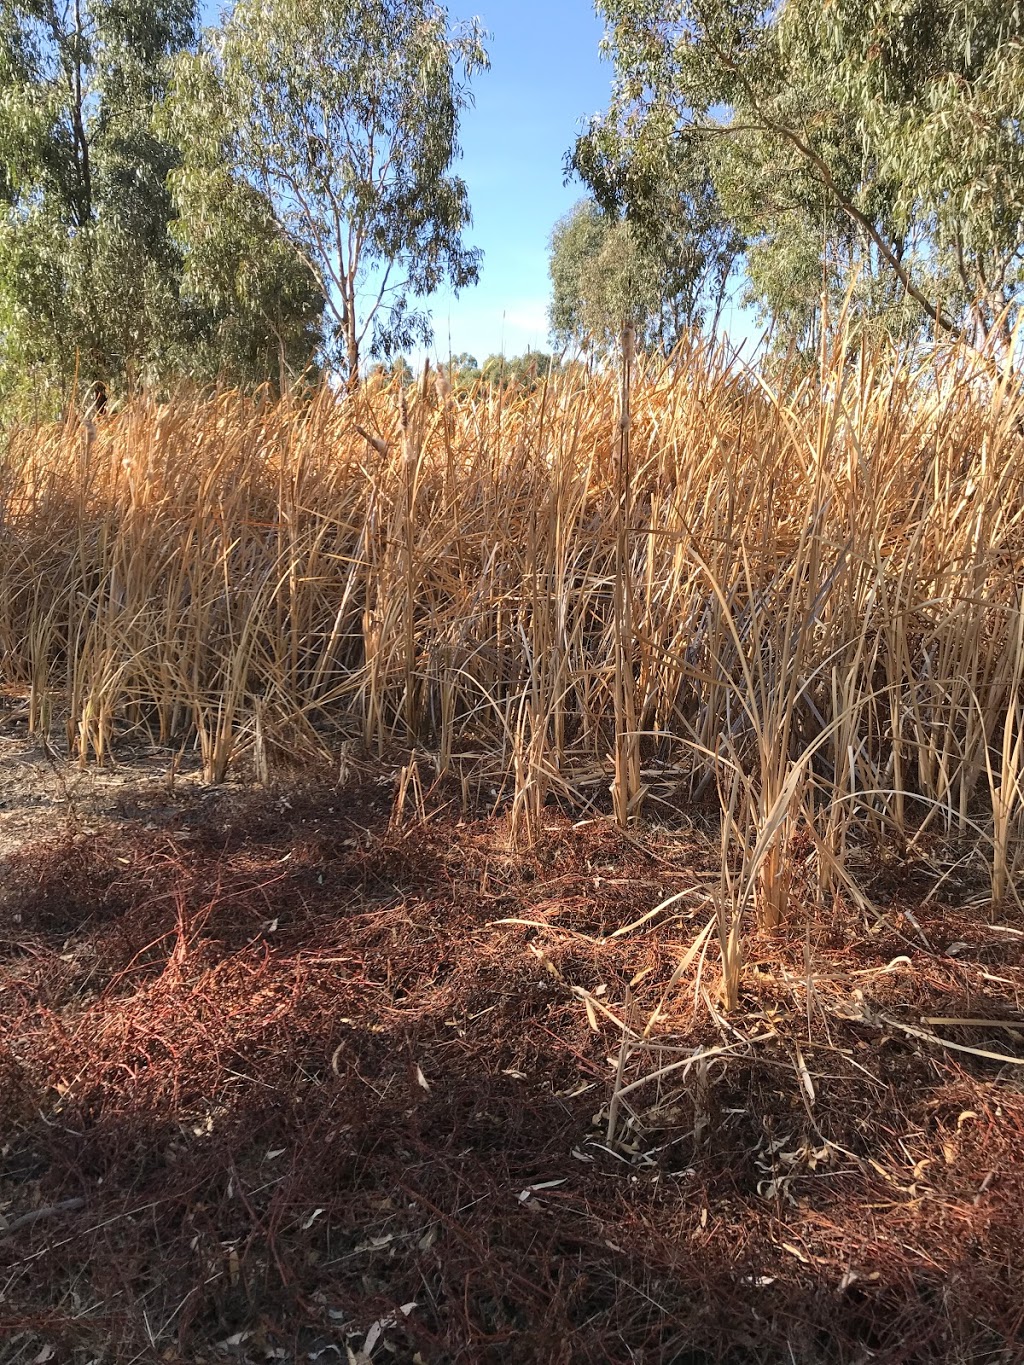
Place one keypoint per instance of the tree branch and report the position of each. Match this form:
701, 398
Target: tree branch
826, 178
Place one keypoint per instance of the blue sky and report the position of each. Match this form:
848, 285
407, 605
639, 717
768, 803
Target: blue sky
546, 79
546, 75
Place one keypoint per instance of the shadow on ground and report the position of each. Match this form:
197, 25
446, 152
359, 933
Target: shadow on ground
280, 1084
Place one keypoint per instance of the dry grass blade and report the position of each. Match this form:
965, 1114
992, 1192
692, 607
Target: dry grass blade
801, 590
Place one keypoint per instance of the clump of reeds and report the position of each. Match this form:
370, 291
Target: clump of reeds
808, 597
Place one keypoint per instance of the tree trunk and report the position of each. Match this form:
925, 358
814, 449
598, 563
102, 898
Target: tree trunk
349, 327
352, 363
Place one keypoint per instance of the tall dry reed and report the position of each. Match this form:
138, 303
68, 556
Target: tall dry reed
807, 597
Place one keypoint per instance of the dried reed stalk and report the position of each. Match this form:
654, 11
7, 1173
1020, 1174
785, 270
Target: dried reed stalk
801, 588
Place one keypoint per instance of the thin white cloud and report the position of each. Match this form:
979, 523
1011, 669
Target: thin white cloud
529, 315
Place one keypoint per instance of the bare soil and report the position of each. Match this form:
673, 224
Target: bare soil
285, 1078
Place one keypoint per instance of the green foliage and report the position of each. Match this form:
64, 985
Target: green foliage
260, 313
397, 367
244, 275
606, 272
122, 261
344, 114
463, 371
465, 374
599, 280
518, 371
880, 141
87, 269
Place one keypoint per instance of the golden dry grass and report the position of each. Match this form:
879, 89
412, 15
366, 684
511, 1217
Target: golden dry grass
803, 594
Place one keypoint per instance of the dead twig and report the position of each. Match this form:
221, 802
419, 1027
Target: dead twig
37, 1215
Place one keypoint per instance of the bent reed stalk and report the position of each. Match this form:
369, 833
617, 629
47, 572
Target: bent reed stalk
808, 599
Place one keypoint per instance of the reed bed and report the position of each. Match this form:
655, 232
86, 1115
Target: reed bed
797, 595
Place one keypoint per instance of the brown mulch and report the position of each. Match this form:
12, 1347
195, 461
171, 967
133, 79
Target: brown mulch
279, 1084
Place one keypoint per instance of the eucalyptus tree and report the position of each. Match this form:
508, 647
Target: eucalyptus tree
665, 277
883, 138
254, 312
126, 259
345, 115
88, 272
524, 371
